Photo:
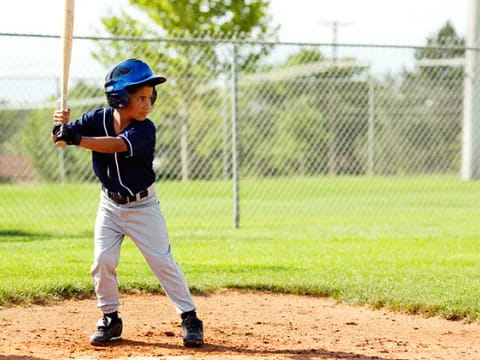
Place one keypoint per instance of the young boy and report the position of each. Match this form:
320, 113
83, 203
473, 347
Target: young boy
122, 140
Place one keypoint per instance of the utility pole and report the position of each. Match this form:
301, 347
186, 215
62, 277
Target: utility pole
335, 25
471, 106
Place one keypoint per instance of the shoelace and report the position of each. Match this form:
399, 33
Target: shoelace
106, 323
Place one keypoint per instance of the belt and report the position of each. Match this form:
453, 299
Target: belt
125, 199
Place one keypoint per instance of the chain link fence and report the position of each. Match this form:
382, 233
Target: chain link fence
254, 133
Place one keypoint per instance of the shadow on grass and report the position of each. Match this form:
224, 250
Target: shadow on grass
21, 235
15, 235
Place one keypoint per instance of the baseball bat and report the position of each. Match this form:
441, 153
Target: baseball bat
66, 41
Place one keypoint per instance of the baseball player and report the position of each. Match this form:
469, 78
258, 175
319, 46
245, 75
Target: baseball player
122, 140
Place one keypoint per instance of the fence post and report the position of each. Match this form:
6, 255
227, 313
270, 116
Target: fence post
226, 131
235, 147
371, 126
471, 105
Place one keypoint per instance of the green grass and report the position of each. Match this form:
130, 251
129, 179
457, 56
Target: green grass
409, 244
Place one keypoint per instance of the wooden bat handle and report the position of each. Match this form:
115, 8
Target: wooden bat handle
66, 40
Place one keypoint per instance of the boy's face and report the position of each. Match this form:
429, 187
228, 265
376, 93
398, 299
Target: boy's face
140, 103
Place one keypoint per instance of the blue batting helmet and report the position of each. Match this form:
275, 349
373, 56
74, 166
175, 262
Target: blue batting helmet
129, 73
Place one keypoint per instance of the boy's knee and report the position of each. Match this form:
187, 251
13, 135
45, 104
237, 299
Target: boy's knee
104, 261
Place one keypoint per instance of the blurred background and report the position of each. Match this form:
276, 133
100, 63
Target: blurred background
274, 113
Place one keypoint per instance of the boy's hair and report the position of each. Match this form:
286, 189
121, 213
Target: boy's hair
134, 88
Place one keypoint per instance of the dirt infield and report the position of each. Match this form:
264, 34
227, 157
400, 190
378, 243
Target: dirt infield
238, 325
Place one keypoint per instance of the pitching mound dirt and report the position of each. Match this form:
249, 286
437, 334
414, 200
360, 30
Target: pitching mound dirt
238, 325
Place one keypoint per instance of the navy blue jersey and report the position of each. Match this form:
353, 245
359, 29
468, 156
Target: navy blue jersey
127, 172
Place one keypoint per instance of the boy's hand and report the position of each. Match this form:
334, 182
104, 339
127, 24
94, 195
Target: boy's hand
62, 133
61, 116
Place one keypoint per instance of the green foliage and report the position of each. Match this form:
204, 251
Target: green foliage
12, 122
82, 90
328, 71
304, 56
283, 140
424, 139
445, 44
238, 19
356, 123
50, 162
224, 18
189, 66
304, 124
218, 19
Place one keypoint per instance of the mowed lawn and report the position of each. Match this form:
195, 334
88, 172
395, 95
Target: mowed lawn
411, 244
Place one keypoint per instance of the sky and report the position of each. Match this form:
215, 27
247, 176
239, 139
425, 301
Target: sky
406, 22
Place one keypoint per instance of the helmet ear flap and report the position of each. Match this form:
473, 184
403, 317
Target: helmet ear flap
121, 98
118, 99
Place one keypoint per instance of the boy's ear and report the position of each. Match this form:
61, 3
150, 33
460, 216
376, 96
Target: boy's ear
118, 99
154, 95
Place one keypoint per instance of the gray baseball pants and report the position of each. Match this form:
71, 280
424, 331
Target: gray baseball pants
144, 223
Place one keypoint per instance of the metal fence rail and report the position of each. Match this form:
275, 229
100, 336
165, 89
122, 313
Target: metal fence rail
236, 112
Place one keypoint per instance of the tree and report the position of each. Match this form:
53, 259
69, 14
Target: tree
189, 65
293, 113
45, 156
11, 124
424, 136
446, 44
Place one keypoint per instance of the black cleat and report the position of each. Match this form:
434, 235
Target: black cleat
107, 330
192, 331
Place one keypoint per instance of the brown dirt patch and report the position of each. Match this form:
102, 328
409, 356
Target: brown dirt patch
17, 167
238, 325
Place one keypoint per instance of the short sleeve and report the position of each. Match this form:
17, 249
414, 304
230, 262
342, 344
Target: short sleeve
85, 125
139, 138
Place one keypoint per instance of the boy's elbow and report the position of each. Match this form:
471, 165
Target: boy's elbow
121, 146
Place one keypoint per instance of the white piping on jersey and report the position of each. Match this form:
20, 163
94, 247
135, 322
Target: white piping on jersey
129, 143
115, 154
104, 122
119, 177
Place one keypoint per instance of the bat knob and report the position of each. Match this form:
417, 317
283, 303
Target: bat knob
61, 143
